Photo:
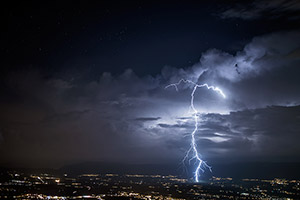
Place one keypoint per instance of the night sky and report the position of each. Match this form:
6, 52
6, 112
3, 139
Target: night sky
85, 81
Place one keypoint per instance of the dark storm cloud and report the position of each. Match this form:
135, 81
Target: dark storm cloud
262, 133
175, 125
147, 118
46, 119
269, 132
270, 9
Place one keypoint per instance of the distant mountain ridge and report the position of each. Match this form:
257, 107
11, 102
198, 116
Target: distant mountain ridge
260, 170
100, 167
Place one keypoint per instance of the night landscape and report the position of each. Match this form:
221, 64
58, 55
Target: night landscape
150, 100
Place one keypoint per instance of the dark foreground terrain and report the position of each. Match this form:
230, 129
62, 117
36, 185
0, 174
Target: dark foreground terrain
22, 184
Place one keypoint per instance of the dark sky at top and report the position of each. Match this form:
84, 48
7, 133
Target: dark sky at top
113, 36
84, 81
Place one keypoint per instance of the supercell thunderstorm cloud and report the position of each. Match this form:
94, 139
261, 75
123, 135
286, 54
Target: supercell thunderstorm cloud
140, 82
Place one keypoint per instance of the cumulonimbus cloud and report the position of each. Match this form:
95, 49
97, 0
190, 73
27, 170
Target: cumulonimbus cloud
94, 113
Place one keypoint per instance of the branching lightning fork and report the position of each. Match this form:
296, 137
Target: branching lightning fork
201, 164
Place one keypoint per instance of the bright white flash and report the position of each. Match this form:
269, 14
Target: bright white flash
201, 164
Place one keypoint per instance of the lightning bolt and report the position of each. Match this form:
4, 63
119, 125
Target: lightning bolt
201, 164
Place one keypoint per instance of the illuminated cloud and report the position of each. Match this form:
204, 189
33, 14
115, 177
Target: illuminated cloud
136, 120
